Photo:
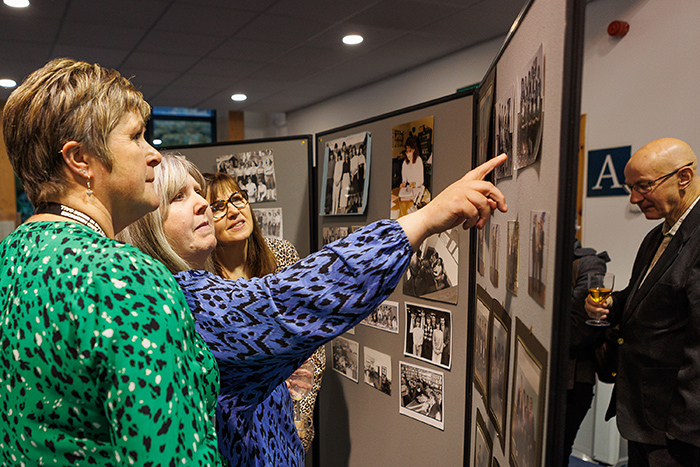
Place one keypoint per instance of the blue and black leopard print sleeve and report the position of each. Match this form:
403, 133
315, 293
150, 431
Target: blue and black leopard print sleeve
261, 330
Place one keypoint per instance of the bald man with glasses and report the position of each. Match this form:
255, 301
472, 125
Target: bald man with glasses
657, 389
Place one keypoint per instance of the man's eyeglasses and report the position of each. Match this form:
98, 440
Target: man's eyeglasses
239, 200
645, 187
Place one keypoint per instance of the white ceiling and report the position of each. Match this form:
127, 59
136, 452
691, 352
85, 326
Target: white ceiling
284, 54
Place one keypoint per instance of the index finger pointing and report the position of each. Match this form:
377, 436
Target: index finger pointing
480, 172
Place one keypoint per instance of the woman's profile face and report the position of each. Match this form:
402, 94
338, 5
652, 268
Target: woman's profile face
189, 224
236, 226
127, 190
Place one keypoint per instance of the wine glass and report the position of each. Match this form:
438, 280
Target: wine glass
600, 286
299, 384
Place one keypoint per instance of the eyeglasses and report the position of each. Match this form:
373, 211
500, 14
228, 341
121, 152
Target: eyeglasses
645, 187
239, 200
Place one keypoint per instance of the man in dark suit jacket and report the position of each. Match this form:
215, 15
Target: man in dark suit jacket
657, 389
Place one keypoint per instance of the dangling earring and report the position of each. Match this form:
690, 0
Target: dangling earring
89, 188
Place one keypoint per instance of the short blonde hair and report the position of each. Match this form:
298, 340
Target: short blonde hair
147, 234
66, 100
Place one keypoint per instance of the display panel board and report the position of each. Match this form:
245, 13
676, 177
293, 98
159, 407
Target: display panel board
424, 413
527, 252
287, 184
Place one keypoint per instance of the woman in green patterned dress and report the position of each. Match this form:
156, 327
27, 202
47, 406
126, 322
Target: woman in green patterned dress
101, 363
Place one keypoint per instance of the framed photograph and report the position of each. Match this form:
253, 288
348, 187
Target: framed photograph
481, 340
377, 370
421, 395
384, 317
411, 166
503, 133
428, 334
345, 357
539, 242
530, 111
512, 256
495, 253
331, 234
499, 358
433, 271
484, 147
527, 399
346, 175
483, 447
270, 220
254, 172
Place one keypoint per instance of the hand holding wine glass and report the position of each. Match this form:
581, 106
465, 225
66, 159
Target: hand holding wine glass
600, 287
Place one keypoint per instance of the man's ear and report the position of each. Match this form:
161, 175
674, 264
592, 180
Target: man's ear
685, 175
75, 158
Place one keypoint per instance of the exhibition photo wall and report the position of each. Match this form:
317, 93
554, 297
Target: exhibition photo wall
276, 172
526, 107
394, 388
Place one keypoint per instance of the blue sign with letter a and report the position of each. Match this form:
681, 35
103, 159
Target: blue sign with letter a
606, 171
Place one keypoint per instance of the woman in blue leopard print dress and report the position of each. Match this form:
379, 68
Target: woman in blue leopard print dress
259, 342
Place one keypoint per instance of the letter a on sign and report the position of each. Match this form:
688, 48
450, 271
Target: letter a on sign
606, 171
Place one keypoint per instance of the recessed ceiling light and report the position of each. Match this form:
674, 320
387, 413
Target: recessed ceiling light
352, 39
239, 97
8, 83
157, 142
17, 3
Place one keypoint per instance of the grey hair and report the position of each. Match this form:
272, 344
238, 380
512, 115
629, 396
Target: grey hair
147, 233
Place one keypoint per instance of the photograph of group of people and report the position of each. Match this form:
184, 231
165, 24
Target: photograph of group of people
331, 234
428, 334
345, 357
422, 391
512, 256
433, 271
482, 443
539, 240
346, 175
378, 370
270, 220
384, 317
411, 166
495, 249
481, 342
531, 111
254, 171
503, 134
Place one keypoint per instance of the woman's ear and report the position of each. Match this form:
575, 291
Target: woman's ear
75, 158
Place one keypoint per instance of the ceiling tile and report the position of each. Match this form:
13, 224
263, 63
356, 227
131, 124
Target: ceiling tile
204, 20
320, 9
178, 43
275, 28
99, 35
236, 48
158, 62
226, 68
125, 13
109, 58
403, 14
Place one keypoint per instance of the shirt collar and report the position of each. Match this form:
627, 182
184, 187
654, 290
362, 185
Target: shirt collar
672, 231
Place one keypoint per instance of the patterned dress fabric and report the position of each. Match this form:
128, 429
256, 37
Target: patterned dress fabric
278, 322
100, 363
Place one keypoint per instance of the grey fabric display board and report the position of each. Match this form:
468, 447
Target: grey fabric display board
539, 67
292, 159
359, 425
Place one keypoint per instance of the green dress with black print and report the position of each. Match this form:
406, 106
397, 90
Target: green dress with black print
100, 363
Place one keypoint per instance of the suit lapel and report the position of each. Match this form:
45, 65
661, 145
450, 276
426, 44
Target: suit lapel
688, 229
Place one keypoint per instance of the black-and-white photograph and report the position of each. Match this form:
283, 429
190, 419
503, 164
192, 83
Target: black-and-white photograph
503, 134
527, 410
537, 271
512, 256
378, 370
485, 126
346, 175
270, 220
482, 443
384, 317
495, 249
331, 234
530, 111
499, 354
428, 334
411, 166
253, 171
433, 271
481, 340
422, 392
346, 357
